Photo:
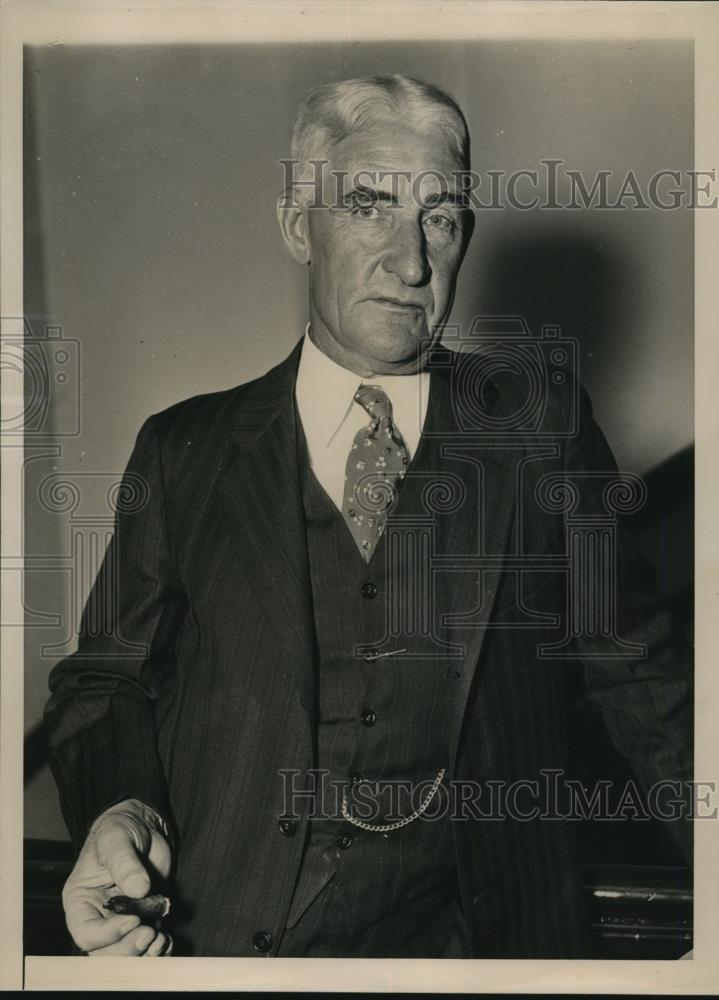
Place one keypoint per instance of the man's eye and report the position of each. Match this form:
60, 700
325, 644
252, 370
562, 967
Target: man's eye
365, 211
440, 222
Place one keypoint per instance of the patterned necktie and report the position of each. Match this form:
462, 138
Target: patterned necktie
376, 464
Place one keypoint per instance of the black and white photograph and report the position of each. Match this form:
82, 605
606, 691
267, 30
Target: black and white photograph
352, 369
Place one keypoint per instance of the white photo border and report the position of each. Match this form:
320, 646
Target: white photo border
132, 22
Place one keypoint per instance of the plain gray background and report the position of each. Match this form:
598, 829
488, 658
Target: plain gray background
151, 175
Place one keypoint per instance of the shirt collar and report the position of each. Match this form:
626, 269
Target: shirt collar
321, 378
337, 388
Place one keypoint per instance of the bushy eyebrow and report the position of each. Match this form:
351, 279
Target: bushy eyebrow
445, 198
370, 196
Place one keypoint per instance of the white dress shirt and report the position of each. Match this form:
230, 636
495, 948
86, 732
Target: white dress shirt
331, 418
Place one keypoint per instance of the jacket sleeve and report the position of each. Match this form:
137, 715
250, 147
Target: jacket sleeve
100, 715
647, 702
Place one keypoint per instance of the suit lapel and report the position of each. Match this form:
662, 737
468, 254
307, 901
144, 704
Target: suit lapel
259, 494
486, 468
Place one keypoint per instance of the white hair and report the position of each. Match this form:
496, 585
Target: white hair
333, 111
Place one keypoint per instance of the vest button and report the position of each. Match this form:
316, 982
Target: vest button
287, 827
368, 718
369, 590
262, 942
355, 777
344, 840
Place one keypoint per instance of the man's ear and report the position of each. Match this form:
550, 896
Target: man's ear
292, 218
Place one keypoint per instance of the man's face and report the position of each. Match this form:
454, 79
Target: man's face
386, 252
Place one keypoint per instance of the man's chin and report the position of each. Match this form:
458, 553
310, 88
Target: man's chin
401, 349
397, 337
397, 361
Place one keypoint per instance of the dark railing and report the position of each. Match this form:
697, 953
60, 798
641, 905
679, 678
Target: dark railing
635, 911
639, 912
47, 865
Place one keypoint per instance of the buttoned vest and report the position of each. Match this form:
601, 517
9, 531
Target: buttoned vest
383, 694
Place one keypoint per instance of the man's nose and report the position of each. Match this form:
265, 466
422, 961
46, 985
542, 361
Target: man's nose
406, 254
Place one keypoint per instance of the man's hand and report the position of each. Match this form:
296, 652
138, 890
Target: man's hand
125, 846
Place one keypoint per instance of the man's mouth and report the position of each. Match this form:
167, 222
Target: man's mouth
392, 303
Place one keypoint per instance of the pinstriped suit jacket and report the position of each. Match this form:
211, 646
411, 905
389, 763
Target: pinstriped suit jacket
196, 688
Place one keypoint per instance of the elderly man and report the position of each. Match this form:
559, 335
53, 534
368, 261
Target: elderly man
342, 577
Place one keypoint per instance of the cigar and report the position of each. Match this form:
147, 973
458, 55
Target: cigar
149, 908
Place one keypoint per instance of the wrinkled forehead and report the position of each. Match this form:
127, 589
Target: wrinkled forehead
398, 159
